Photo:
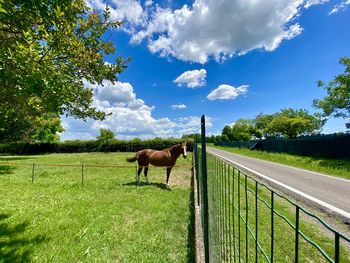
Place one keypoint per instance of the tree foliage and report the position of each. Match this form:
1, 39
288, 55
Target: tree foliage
48, 49
242, 130
293, 123
261, 123
227, 131
47, 130
337, 101
106, 136
288, 122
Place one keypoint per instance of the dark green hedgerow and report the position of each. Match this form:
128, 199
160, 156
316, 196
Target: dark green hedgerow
78, 146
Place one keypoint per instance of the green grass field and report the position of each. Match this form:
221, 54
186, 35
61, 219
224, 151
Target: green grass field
108, 219
335, 167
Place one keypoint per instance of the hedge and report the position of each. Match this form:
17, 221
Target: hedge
331, 145
90, 146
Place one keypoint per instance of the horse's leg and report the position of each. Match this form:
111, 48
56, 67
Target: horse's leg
138, 175
168, 170
145, 173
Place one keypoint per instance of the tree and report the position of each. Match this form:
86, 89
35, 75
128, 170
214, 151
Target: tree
261, 123
227, 132
293, 123
242, 130
223, 138
191, 136
106, 136
48, 50
337, 102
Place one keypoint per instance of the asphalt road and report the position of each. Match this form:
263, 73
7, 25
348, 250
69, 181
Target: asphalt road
331, 194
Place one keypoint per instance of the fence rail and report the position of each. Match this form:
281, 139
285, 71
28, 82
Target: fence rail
250, 222
82, 167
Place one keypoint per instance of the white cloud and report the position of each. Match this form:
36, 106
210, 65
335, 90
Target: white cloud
210, 28
178, 106
192, 78
149, 2
129, 114
192, 124
227, 92
128, 10
115, 93
221, 28
339, 7
131, 117
76, 129
309, 3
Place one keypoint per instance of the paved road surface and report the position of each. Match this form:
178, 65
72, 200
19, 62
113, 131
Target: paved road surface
328, 193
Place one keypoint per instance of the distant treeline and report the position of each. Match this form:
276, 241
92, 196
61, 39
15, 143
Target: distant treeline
330, 145
79, 146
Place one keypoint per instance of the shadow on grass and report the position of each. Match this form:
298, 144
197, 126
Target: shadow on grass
6, 169
15, 248
142, 184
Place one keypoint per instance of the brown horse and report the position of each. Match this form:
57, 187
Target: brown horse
165, 158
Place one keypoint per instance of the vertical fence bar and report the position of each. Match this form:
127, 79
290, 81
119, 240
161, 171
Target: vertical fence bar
136, 177
205, 191
246, 217
233, 214
218, 247
226, 224
82, 174
223, 207
216, 202
218, 207
239, 214
196, 167
33, 171
297, 211
336, 248
272, 227
229, 213
221, 212
256, 222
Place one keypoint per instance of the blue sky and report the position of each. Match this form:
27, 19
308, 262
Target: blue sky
227, 59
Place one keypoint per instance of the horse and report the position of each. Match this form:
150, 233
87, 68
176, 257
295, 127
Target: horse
165, 158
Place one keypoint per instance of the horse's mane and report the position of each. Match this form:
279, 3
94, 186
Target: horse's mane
174, 147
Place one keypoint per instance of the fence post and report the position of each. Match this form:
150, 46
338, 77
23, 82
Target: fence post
336, 249
33, 172
297, 211
82, 174
272, 226
205, 191
196, 159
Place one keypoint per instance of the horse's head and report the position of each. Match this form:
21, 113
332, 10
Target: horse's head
184, 149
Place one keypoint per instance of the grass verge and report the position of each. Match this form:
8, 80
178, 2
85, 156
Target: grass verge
335, 167
237, 218
108, 219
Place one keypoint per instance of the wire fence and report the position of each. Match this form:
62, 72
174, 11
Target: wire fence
33, 167
245, 220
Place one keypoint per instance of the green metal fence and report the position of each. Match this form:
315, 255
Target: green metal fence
245, 220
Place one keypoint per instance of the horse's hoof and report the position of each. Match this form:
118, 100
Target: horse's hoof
167, 185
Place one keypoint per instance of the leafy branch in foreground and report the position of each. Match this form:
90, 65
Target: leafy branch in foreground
337, 101
48, 49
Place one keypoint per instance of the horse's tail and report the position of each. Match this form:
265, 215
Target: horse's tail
132, 159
